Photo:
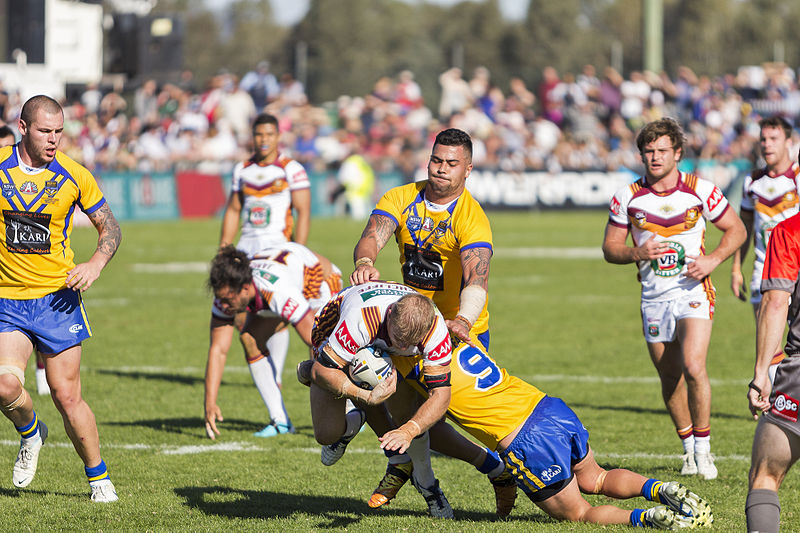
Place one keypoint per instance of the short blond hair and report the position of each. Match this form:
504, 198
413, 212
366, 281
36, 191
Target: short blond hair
412, 318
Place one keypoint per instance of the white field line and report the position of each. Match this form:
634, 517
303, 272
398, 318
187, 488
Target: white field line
239, 446
524, 252
533, 378
538, 252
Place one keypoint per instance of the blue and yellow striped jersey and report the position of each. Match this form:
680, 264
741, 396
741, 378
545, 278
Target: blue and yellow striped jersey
37, 214
441, 235
485, 400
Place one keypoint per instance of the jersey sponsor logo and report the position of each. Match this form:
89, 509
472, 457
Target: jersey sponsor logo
785, 407
342, 335
550, 473
27, 232
413, 223
652, 330
258, 215
266, 275
615, 206
789, 197
640, 219
28, 187
366, 295
671, 262
8, 190
288, 308
443, 350
766, 230
427, 225
75, 328
715, 199
441, 228
694, 305
691, 217
423, 269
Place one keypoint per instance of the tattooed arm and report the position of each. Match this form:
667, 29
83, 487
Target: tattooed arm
83, 275
376, 235
475, 271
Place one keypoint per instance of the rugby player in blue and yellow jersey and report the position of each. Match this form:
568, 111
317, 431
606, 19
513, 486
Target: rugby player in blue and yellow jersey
41, 286
445, 245
544, 445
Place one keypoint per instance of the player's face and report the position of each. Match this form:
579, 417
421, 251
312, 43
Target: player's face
232, 301
774, 147
660, 158
41, 137
265, 142
448, 169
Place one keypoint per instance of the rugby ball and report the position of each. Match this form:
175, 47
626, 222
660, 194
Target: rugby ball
369, 367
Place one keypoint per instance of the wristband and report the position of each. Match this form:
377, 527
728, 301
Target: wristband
364, 261
463, 319
471, 302
755, 387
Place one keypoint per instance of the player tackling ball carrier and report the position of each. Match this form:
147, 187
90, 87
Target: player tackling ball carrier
545, 446
665, 212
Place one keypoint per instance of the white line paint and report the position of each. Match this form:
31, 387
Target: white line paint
170, 268
534, 378
239, 446
536, 252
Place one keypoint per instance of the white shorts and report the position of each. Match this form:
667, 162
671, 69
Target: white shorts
660, 319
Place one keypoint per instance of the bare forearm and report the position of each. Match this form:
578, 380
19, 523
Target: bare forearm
771, 324
214, 369
433, 409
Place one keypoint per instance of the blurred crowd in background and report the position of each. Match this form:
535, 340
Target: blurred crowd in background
568, 121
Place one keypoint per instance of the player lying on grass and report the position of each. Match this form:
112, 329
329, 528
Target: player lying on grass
545, 446
279, 285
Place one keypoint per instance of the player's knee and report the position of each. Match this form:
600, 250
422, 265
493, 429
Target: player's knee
66, 397
11, 384
325, 436
695, 370
592, 482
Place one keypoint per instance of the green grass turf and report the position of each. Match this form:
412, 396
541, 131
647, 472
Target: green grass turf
562, 323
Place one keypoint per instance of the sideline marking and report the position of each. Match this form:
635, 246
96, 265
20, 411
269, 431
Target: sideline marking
241, 446
541, 252
605, 380
170, 268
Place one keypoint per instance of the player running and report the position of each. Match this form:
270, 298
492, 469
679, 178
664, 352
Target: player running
279, 285
769, 195
665, 212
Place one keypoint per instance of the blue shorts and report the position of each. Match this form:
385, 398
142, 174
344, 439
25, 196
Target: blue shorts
542, 454
53, 323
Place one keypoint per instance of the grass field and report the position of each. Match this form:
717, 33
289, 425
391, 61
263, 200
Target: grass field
561, 318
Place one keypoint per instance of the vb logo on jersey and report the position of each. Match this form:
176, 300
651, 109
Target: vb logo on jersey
671, 263
766, 230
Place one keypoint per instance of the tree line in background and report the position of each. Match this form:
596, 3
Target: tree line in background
349, 44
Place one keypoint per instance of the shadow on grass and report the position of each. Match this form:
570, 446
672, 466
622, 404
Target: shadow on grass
644, 410
182, 379
195, 426
17, 493
328, 512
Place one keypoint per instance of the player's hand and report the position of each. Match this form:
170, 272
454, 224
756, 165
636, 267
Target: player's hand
82, 276
459, 330
213, 413
304, 372
396, 440
700, 267
383, 390
650, 249
759, 401
363, 274
738, 287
